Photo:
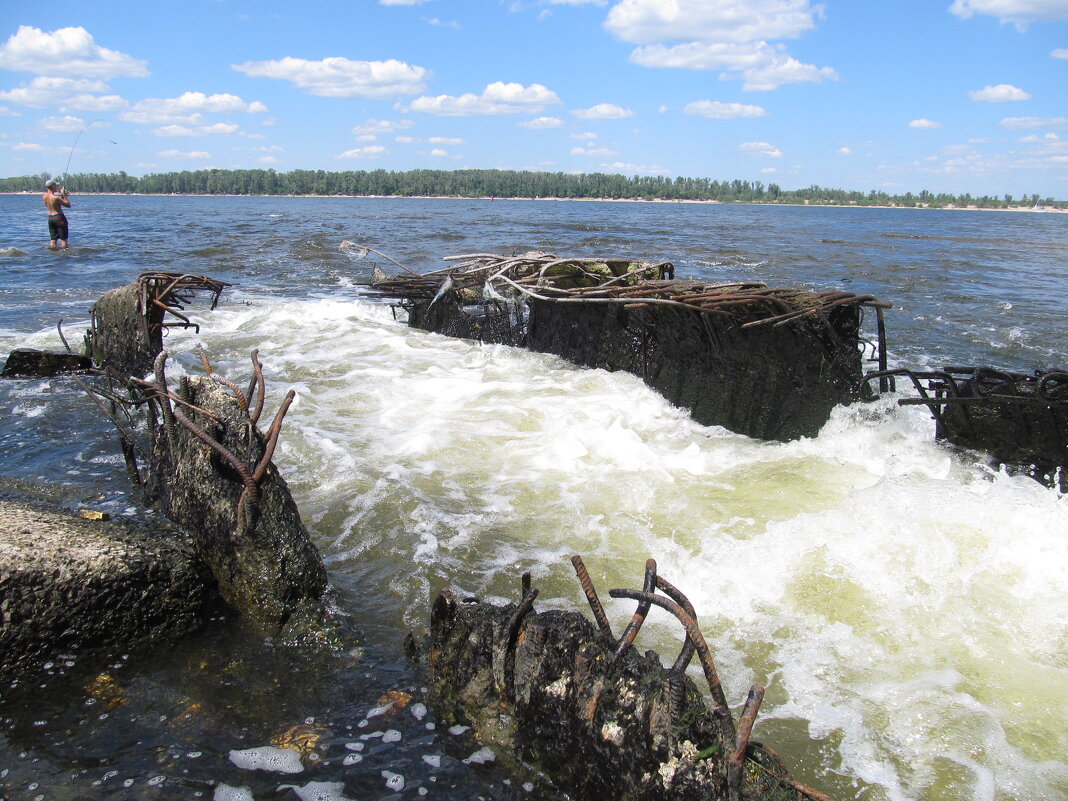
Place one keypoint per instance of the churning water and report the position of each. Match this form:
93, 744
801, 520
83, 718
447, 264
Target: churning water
906, 606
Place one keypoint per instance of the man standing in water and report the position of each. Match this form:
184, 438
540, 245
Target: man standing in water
55, 199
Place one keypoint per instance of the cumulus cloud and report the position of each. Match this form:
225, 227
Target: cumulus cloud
341, 77
1019, 12
218, 129
66, 52
1061, 52
762, 150
634, 169
641, 21
381, 127
542, 123
188, 108
603, 111
497, 98
438, 152
845, 151
1034, 122
1002, 93
925, 124
446, 140
592, 151
370, 152
64, 93
178, 154
729, 35
66, 124
715, 110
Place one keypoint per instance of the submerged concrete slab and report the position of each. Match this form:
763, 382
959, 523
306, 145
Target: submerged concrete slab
70, 585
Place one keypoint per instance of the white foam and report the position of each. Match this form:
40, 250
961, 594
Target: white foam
267, 757
318, 791
224, 792
866, 574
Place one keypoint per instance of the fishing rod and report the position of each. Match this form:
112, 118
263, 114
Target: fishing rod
66, 169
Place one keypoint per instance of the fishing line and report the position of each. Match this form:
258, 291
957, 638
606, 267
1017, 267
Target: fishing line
66, 169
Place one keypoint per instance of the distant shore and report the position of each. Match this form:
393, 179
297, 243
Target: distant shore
918, 206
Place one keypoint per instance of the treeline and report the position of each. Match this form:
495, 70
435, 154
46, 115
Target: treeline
499, 183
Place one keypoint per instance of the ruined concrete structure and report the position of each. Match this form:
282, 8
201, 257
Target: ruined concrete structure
70, 585
1020, 419
601, 721
126, 332
768, 363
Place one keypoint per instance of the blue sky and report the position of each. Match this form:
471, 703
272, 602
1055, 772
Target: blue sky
945, 95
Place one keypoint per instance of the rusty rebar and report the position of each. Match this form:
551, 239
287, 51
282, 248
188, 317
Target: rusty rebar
591, 596
626, 640
736, 760
692, 631
688, 648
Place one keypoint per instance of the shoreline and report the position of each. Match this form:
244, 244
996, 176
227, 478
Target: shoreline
691, 201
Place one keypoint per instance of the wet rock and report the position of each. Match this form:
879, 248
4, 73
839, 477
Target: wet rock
546, 690
244, 523
31, 363
82, 587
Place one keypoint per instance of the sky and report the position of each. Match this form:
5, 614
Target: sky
959, 96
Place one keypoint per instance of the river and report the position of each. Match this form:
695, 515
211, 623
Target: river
905, 605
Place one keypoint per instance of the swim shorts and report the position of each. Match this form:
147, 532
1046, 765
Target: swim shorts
57, 227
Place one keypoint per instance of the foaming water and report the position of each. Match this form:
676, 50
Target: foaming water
884, 589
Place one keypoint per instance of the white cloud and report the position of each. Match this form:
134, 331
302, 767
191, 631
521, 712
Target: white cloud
542, 123
1018, 12
762, 150
6, 112
33, 147
66, 52
497, 98
715, 110
730, 35
438, 152
64, 93
925, 124
382, 127
578, 2
845, 151
634, 169
592, 151
370, 152
178, 154
1061, 52
1002, 93
587, 136
643, 21
603, 111
1034, 122
445, 140
187, 108
220, 128
440, 23
406, 140
341, 77
66, 124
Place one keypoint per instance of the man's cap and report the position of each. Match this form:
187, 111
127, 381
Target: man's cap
51, 182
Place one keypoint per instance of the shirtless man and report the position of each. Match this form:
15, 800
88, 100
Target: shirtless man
55, 199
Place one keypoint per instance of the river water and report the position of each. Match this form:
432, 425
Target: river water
905, 605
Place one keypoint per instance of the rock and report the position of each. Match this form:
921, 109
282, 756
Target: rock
544, 688
30, 363
85, 587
